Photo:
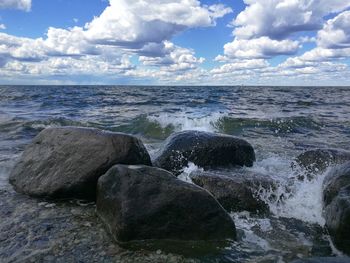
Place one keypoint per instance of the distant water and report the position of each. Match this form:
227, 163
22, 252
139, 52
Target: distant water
280, 122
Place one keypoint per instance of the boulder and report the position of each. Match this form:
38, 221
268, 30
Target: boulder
66, 162
235, 192
207, 150
337, 215
335, 180
142, 203
336, 196
318, 160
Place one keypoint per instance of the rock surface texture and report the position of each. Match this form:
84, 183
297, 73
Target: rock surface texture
207, 150
141, 202
315, 161
235, 192
336, 198
67, 162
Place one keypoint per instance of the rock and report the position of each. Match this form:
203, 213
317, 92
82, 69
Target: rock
316, 161
67, 162
323, 260
337, 215
336, 195
336, 179
234, 191
141, 202
207, 150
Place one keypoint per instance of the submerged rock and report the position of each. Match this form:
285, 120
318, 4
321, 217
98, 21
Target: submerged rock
336, 197
235, 192
207, 150
67, 161
141, 202
317, 161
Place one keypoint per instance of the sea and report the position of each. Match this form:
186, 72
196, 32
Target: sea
280, 123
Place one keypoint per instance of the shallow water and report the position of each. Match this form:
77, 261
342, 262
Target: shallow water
280, 122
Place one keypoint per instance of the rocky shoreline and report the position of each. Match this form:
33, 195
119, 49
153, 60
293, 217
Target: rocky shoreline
139, 202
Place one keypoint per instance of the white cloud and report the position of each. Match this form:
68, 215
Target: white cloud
333, 42
278, 19
16, 4
175, 59
141, 27
336, 32
2, 27
135, 24
262, 47
239, 65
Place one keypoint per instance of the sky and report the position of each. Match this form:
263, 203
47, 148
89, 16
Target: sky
175, 42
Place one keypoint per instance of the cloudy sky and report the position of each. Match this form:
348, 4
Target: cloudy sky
185, 42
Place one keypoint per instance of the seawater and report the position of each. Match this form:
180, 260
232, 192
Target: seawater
280, 122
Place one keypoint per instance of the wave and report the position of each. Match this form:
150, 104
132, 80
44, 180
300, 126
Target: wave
160, 126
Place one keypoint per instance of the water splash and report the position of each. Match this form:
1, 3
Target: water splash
183, 121
292, 197
185, 175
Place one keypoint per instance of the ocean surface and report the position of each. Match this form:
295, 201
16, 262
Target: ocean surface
280, 123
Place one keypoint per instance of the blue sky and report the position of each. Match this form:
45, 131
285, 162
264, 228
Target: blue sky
185, 42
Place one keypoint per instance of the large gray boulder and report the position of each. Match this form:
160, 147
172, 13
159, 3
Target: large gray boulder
336, 196
318, 160
236, 192
207, 150
141, 202
67, 162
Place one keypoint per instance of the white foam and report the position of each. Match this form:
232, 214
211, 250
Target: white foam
185, 175
292, 198
244, 222
184, 121
304, 201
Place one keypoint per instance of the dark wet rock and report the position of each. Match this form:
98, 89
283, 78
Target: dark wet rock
317, 161
337, 206
67, 161
336, 179
31, 232
207, 150
140, 203
323, 260
337, 215
235, 192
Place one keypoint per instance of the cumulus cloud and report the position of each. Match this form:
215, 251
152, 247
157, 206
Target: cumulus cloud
2, 27
16, 4
266, 28
135, 24
141, 27
262, 47
176, 59
239, 65
336, 32
277, 19
333, 42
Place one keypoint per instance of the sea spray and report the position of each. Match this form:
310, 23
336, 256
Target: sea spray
190, 168
292, 197
186, 121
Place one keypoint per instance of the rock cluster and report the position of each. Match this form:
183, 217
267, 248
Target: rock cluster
134, 200
137, 201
